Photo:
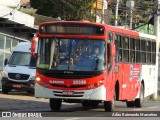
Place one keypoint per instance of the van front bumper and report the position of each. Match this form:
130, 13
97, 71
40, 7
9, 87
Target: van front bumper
24, 86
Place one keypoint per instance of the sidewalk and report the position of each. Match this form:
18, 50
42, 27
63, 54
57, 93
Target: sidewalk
18, 101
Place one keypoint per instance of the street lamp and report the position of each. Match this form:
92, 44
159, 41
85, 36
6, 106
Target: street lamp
130, 5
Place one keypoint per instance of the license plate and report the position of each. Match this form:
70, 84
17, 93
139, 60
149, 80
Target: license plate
68, 92
17, 85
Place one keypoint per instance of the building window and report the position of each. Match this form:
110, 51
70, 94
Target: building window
14, 44
1, 59
8, 44
1, 41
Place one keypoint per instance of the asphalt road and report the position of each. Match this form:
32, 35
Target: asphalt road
76, 110
23, 102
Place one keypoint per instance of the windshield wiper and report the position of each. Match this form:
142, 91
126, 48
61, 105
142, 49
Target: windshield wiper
32, 67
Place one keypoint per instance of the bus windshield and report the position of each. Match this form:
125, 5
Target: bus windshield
22, 59
71, 54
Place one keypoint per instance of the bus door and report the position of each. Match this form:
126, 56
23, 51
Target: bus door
120, 72
110, 64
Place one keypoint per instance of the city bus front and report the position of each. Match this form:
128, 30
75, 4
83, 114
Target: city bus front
71, 69
71, 64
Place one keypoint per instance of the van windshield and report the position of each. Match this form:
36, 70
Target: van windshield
22, 59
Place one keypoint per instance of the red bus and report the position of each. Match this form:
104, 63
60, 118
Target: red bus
94, 63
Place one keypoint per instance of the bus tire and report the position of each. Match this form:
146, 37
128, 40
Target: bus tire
139, 101
86, 104
130, 103
108, 106
55, 104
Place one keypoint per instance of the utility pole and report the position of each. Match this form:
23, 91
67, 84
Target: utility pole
116, 13
96, 12
156, 32
102, 18
130, 5
104, 6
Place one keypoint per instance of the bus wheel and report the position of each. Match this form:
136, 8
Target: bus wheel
139, 101
85, 104
130, 103
108, 106
55, 104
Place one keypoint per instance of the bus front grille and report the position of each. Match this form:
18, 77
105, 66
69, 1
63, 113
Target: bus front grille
72, 86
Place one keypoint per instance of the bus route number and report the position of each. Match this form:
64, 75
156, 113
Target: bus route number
79, 82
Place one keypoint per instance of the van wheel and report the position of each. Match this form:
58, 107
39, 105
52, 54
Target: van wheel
55, 104
139, 101
5, 91
130, 103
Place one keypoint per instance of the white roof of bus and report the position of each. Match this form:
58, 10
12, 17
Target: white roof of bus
147, 36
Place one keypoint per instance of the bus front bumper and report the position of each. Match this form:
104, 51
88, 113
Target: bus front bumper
92, 94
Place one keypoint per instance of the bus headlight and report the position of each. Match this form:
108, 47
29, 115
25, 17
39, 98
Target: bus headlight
89, 86
38, 79
99, 83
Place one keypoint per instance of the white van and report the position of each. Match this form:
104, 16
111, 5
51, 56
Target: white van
19, 71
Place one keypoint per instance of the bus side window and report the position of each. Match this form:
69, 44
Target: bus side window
132, 50
110, 37
125, 45
118, 48
118, 55
108, 57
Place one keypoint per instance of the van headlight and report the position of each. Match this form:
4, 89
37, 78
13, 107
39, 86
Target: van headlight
32, 78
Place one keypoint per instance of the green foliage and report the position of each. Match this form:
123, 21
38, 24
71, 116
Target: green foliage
66, 9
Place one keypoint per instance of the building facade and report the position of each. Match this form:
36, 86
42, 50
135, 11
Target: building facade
15, 27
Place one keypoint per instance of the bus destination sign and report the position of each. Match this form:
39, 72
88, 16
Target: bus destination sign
72, 29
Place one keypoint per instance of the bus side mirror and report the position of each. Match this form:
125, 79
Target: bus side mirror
113, 50
5, 62
33, 46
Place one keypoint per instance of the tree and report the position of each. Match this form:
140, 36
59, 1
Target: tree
143, 9
65, 9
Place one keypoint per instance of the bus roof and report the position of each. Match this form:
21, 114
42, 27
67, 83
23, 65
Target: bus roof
72, 22
107, 27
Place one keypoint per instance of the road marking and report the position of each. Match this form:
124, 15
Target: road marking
140, 109
154, 107
72, 119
